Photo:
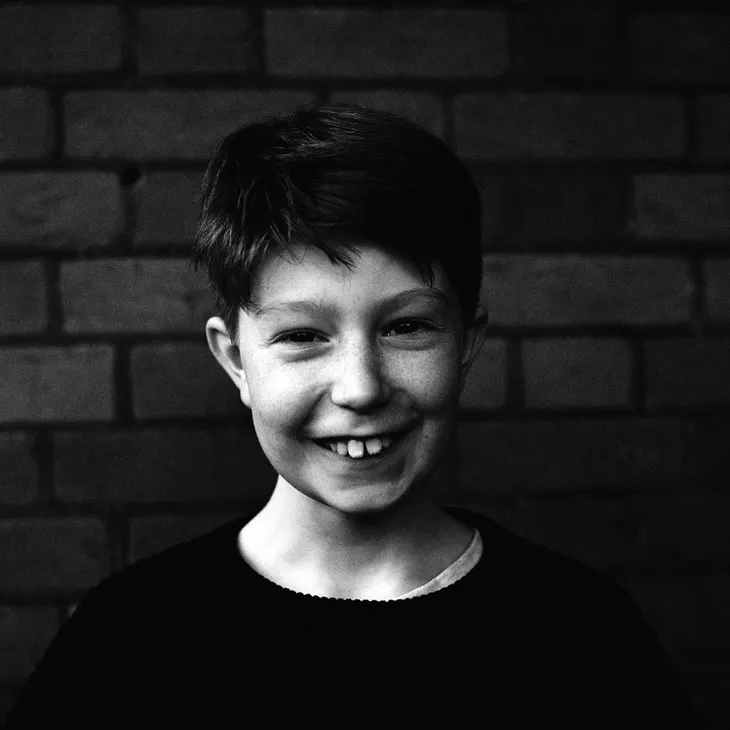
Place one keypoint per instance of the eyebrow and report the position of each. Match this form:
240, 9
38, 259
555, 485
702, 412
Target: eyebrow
316, 307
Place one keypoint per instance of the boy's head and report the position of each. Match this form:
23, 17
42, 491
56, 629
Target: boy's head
332, 177
343, 245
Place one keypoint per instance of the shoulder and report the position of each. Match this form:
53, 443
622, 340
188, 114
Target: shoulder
529, 574
578, 626
131, 632
154, 584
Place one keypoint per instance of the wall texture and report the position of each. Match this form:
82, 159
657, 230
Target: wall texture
599, 420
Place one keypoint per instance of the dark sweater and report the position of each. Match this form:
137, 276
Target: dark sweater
193, 637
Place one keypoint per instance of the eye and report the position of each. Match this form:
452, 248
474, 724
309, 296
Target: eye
297, 337
405, 327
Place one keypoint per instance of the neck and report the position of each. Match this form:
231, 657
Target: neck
310, 547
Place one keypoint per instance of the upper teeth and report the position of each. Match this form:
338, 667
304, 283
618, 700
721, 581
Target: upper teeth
356, 448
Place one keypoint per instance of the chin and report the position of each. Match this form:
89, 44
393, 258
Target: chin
356, 501
367, 502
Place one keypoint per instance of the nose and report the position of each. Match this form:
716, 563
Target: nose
359, 381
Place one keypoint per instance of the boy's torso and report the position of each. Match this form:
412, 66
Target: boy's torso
524, 637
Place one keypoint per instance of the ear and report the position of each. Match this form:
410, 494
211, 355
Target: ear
227, 353
473, 341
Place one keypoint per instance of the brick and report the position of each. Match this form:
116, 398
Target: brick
688, 613
575, 455
41, 555
48, 384
568, 43
569, 205
59, 209
586, 372
18, 470
25, 633
168, 207
345, 43
424, 109
22, 297
713, 138
493, 194
688, 372
676, 48
149, 535
180, 380
549, 125
200, 39
682, 206
564, 290
150, 466
165, 124
710, 454
592, 529
124, 295
66, 39
683, 530
26, 126
486, 382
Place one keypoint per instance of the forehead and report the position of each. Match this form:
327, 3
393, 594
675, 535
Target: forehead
376, 275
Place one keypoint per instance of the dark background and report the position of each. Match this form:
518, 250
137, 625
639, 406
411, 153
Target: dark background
597, 421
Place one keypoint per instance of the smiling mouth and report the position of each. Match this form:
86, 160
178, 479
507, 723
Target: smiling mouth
360, 448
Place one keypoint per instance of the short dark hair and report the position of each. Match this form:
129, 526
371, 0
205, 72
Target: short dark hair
332, 177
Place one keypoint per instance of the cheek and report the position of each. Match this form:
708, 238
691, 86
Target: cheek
279, 399
433, 382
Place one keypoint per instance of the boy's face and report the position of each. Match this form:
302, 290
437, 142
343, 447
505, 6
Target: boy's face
346, 359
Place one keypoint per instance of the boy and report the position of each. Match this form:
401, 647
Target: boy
344, 248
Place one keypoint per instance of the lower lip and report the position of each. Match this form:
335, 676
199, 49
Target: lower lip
367, 460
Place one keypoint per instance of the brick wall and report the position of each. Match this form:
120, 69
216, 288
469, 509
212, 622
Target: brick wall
598, 422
